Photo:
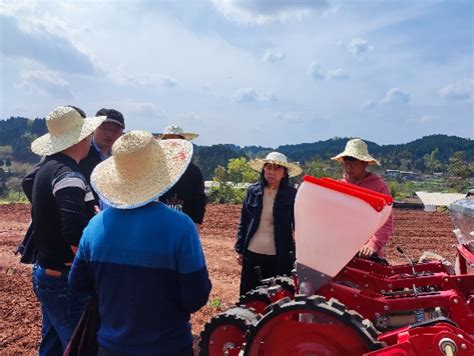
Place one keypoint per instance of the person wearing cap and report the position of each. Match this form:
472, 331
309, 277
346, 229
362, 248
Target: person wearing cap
142, 259
187, 194
104, 137
265, 233
61, 207
355, 159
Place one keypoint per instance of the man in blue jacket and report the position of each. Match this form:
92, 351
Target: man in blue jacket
142, 259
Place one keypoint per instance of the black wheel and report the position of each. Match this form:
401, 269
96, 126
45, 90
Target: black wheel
310, 326
226, 331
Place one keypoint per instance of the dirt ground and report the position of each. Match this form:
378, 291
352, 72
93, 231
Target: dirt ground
20, 318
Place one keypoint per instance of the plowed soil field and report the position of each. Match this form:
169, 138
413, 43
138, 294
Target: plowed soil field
20, 318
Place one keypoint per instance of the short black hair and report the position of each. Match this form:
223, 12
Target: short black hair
112, 116
80, 111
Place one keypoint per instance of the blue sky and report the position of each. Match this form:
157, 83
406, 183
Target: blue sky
248, 72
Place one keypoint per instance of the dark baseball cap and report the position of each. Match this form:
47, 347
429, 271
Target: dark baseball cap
113, 116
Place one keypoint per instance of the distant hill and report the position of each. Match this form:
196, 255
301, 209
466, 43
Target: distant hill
18, 132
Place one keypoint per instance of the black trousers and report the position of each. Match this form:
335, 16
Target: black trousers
249, 278
188, 351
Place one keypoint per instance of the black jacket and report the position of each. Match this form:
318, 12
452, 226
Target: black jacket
188, 195
87, 165
283, 220
62, 205
27, 247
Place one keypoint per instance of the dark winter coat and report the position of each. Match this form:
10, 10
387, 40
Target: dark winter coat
187, 195
283, 221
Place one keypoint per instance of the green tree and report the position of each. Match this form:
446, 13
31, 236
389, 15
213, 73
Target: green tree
238, 171
432, 162
220, 175
322, 168
13, 186
459, 172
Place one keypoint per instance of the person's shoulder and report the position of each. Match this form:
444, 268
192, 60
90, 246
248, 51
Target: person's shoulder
91, 158
193, 169
168, 213
254, 187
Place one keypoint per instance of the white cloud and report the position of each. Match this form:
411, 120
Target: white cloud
33, 41
292, 118
316, 72
142, 79
460, 90
45, 82
396, 96
358, 46
426, 119
250, 95
168, 81
145, 109
273, 56
337, 74
369, 104
264, 11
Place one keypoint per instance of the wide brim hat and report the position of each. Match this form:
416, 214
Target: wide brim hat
276, 158
140, 170
66, 127
176, 130
358, 149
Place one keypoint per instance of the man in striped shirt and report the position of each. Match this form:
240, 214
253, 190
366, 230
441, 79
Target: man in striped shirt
62, 205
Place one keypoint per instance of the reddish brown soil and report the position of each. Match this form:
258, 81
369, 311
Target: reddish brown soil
20, 318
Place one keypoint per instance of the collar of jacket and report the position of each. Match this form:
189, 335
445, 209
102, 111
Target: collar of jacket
257, 189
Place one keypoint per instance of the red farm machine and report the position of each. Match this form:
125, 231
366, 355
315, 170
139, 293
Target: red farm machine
335, 304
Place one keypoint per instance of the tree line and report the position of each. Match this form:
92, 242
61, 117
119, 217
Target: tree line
428, 154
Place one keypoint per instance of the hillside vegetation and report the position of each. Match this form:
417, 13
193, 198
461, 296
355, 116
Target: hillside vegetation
443, 154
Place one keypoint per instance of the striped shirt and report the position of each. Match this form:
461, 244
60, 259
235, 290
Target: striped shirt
62, 205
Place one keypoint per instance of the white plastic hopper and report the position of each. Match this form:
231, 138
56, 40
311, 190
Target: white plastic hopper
333, 220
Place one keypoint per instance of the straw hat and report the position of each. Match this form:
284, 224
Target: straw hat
176, 130
356, 148
276, 158
140, 169
66, 127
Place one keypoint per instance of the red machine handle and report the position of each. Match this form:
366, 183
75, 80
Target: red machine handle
374, 200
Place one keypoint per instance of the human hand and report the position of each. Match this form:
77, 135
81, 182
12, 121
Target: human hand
239, 259
366, 251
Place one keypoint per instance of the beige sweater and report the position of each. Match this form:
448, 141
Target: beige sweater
263, 241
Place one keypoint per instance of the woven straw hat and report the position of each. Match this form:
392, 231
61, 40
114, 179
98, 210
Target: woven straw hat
356, 148
276, 158
66, 127
176, 130
140, 169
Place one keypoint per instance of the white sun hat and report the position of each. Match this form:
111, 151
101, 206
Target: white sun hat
140, 170
66, 127
176, 130
356, 148
279, 159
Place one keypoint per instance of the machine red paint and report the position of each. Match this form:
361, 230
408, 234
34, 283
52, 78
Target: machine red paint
365, 308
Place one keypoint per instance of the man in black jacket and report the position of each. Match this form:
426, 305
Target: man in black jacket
101, 147
61, 207
187, 194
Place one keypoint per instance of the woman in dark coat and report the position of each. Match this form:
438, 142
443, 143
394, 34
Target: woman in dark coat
265, 234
